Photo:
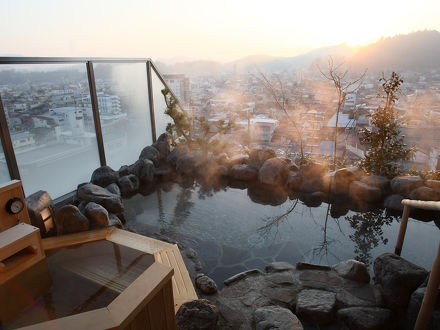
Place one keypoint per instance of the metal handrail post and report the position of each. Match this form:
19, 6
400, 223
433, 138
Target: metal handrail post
8, 148
151, 101
95, 110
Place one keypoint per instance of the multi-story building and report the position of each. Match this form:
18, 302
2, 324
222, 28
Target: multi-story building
179, 84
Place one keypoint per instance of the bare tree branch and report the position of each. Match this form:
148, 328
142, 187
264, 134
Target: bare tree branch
335, 75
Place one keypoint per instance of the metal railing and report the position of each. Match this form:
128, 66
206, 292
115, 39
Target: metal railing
5, 134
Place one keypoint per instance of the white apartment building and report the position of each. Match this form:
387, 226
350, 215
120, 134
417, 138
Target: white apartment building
179, 84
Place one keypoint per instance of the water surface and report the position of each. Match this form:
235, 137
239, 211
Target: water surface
84, 277
231, 232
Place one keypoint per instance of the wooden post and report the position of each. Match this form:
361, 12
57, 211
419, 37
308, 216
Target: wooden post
402, 230
430, 295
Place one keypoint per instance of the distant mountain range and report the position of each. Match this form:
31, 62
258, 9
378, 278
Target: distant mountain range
417, 51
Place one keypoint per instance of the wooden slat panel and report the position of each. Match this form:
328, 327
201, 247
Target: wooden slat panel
169, 260
136, 241
167, 292
57, 242
147, 317
130, 302
140, 321
157, 312
159, 259
183, 289
169, 256
184, 274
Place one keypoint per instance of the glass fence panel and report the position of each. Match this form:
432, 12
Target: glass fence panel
51, 125
123, 108
4, 172
160, 106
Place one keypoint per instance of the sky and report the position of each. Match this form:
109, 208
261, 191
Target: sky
210, 30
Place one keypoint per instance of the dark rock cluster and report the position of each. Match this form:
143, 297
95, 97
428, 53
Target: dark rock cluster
270, 179
98, 203
321, 295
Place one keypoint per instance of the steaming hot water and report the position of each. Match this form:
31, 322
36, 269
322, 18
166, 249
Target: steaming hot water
231, 230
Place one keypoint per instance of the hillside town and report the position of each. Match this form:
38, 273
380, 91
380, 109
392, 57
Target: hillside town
311, 103
46, 116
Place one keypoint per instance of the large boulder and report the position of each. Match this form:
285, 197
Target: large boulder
113, 220
365, 318
398, 278
343, 178
394, 203
377, 181
103, 176
276, 317
267, 194
238, 160
434, 184
176, 153
69, 220
90, 192
221, 158
163, 145
414, 308
311, 185
209, 172
403, 185
188, 163
150, 153
425, 194
144, 170
316, 306
313, 199
97, 215
353, 270
313, 170
205, 284
198, 314
362, 192
114, 188
128, 185
258, 156
293, 182
273, 171
36, 203
243, 172
124, 170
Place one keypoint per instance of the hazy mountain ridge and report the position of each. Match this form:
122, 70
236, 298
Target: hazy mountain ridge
417, 51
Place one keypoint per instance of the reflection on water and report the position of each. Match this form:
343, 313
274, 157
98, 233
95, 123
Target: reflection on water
238, 226
84, 277
368, 232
